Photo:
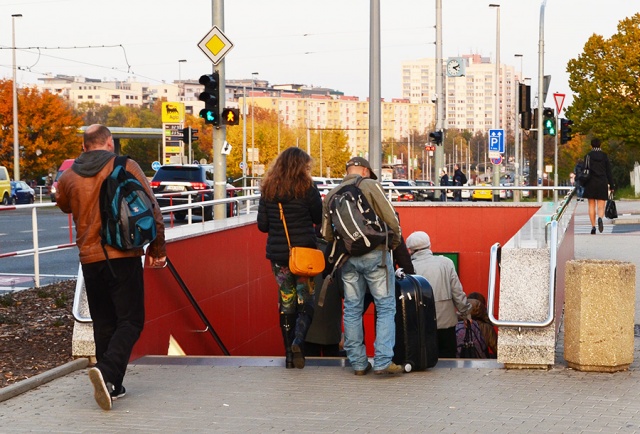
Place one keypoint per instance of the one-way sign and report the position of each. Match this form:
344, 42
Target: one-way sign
496, 141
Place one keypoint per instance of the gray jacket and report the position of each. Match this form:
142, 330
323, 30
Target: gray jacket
447, 289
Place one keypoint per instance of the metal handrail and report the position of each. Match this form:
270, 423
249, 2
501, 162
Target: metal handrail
77, 297
493, 261
560, 210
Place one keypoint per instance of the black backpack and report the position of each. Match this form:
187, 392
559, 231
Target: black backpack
355, 223
126, 210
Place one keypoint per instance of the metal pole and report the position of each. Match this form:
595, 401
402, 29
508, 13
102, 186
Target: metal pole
244, 137
440, 99
219, 133
496, 109
16, 144
253, 145
375, 141
555, 159
540, 153
516, 174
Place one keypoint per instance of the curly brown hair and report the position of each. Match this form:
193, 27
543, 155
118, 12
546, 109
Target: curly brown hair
289, 176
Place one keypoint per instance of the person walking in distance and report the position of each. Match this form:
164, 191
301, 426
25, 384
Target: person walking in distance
288, 183
444, 182
440, 272
459, 179
373, 269
115, 294
596, 188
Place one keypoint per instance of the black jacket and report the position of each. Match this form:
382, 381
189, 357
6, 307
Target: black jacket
600, 168
301, 215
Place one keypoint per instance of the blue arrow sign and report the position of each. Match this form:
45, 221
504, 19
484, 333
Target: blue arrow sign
496, 141
155, 165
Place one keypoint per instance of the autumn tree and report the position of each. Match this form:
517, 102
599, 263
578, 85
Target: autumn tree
47, 130
272, 135
605, 80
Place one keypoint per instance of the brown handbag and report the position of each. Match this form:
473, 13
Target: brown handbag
303, 261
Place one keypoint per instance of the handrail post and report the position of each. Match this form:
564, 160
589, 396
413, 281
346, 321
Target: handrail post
36, 254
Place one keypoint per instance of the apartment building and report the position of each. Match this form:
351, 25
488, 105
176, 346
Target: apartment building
469, 100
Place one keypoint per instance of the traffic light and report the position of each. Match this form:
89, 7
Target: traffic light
565, 130
549, 122
211, 98
189, 135
525, 121
230, 116
436, 137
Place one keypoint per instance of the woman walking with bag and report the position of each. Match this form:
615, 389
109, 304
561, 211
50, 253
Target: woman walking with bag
596, 187
288, 186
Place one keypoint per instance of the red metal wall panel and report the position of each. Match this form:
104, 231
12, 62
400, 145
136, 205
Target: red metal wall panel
231, 279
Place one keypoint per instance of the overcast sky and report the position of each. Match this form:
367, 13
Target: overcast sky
313, 42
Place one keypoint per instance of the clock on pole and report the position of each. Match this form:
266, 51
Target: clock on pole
455, 67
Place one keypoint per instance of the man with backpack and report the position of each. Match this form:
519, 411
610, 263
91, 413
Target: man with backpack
358, 215
113, 277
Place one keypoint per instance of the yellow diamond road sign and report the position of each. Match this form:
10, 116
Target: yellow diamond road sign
215, 45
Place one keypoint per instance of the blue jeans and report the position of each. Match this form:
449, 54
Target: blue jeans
358, 273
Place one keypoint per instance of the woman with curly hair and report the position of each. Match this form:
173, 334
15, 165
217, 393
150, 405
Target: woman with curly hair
288, 183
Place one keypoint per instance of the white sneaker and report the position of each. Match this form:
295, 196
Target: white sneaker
100, 391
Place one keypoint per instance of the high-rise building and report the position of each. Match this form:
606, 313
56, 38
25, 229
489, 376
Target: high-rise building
470, 99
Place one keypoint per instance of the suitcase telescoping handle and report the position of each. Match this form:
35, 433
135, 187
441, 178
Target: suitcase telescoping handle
196, 306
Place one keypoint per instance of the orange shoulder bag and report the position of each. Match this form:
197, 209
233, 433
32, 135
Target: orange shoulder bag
303, 261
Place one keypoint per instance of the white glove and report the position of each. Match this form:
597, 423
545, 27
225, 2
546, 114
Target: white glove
400, 273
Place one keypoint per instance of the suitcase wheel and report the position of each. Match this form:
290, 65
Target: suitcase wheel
408, 367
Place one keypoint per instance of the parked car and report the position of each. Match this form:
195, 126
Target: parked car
54, 186
5, 186
400, 195
21, 193
182, 178
480, 194
425, 194
506, 194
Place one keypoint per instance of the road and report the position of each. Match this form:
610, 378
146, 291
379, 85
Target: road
16, 234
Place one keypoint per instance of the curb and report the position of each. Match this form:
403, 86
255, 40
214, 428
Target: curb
40, 379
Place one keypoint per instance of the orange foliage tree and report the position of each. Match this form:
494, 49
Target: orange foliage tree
47, 131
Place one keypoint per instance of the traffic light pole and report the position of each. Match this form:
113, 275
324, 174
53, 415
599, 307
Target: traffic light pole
219, 132
540, 149
555, 159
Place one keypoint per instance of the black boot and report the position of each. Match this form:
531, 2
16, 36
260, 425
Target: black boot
287, 322
305, 315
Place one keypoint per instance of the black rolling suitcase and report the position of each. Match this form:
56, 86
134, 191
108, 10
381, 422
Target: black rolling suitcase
416, 345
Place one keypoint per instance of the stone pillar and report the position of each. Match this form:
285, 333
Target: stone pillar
599, 315
82, 343
524, 296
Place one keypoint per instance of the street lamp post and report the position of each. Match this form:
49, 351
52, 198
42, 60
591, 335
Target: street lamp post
516, 175
253, 108
496, 108
16, 144
180, 84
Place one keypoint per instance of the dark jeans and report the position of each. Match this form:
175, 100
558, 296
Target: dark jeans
116, 305
447, 344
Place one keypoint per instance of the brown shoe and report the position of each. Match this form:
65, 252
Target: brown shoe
363, 371
391, 369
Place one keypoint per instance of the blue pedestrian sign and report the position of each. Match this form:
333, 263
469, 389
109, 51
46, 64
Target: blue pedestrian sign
496, 141
155, 165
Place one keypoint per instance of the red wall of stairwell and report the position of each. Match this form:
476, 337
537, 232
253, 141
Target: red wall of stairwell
231, 279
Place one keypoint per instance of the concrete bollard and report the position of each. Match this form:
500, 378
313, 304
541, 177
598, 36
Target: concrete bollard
599, 315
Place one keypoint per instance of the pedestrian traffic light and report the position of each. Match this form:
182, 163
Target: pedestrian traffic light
565, 130
189, 135
211, 98
230, 116
549, 122
436, 137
